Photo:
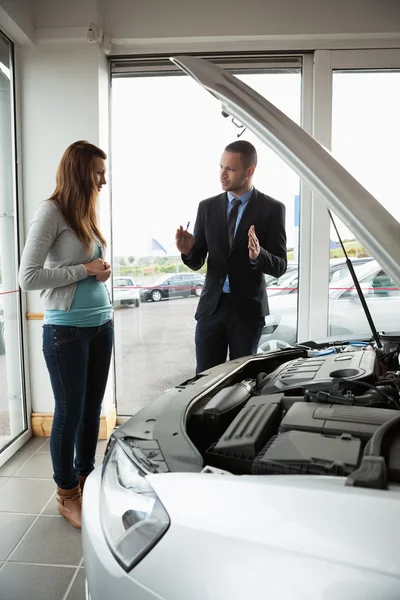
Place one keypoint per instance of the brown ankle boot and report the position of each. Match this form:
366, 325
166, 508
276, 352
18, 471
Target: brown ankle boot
70, 505
82, 479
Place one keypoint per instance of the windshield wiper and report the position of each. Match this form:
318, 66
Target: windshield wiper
349, 264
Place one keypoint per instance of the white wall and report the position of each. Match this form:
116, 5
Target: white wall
145, 26
182, 18
60, 103
17, 19
65, 13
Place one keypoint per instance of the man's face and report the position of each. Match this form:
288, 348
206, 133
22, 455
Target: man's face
233, 176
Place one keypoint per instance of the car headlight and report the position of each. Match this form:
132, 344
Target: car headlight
271, 323
132, 517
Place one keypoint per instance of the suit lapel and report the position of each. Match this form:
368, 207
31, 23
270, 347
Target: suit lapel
247, 219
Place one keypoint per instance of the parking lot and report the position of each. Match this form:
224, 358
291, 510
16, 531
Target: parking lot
154, 350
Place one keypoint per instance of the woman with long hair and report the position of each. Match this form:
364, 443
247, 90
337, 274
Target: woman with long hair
64, 258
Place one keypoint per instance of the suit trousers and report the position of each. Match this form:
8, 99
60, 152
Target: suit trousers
225, 330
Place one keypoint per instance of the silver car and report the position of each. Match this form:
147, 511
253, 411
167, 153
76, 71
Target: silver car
346, 315
288, 283
185, 507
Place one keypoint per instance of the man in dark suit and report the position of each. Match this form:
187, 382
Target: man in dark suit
242, 234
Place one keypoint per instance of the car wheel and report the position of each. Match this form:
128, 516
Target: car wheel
155, 295
137, 303
198, 290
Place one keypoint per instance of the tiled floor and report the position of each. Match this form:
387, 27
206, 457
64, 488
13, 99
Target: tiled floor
40, 553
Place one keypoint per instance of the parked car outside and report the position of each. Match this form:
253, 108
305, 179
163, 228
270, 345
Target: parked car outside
275, 475
346, 315
173, 286
288, 283
275, 284
126, 292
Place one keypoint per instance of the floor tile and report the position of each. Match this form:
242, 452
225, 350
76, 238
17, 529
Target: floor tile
100, 450
101, 446
19, 582
39, 466
3, 480
98, 460
35, 443
77, 591
52, 508
25, 495
12, 527
15, 462
46, 446
62, 543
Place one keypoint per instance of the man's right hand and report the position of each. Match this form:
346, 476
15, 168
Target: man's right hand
184, 241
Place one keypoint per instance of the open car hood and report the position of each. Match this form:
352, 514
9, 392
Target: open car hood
341, 193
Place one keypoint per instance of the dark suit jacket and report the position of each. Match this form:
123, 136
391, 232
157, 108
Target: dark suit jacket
247, 283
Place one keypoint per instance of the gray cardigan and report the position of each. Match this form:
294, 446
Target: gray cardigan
53, 258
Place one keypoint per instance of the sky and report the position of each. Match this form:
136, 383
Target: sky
168, 135
366, 132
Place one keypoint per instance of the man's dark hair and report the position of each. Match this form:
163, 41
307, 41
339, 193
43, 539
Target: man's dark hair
246, 150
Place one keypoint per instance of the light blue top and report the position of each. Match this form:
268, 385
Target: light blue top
91, 306
245, 199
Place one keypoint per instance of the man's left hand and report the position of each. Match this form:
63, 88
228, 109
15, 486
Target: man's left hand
254, 245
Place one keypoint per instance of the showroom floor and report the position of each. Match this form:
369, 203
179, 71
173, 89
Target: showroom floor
40, 553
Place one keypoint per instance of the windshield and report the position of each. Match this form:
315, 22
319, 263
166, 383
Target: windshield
346, 282
274, 281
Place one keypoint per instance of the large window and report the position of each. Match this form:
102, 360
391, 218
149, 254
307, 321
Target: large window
365, 134
12, 408
167, 138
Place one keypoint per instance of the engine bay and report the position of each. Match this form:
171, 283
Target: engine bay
313, 414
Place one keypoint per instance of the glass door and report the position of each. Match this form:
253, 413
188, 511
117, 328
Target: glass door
13, 421
365, 137
167, 138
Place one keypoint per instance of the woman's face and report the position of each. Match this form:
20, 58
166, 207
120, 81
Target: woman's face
99, 172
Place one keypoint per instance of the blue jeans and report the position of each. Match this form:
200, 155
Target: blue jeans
78, 361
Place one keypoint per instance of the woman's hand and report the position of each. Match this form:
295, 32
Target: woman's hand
98, 268
106, 274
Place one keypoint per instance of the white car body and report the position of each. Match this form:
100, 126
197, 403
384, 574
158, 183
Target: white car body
232, 537
286, 538
125, 291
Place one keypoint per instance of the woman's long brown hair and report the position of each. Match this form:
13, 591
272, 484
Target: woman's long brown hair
76, 190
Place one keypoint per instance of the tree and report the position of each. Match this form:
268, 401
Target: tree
131, 260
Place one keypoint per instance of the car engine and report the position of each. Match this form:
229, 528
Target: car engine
313, 414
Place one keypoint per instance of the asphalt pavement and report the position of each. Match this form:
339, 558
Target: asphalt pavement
154, 350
